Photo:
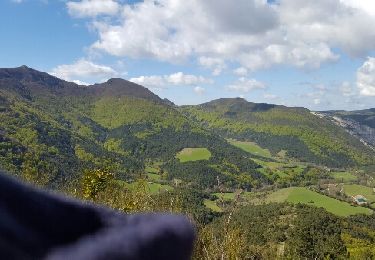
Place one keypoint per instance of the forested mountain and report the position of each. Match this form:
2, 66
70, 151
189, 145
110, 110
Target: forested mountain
302, 134
52, 129
118, 144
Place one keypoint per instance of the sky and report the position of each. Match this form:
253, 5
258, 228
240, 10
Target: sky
318, 54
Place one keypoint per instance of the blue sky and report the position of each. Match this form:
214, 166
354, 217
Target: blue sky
316, 54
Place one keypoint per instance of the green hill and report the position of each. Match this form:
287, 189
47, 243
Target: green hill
302, 134
52, 129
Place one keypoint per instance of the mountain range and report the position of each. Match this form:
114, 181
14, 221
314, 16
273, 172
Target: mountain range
51, 130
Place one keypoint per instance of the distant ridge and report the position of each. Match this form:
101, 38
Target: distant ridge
27, 81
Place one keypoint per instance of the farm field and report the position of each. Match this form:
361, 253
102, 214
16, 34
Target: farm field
193, 154
344, 176
251, 147
299, 195
354, 189
340, 208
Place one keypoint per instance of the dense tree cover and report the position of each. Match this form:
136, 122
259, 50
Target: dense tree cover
302, 134
284, 231
71, 128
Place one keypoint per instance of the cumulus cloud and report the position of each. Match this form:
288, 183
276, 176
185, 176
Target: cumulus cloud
241, 71
253, 33
175, 79
83, 69
217, 65
366, 78
199, 90
92, 8
245, 85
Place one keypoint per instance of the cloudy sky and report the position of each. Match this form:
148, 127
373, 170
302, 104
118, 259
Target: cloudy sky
318, 54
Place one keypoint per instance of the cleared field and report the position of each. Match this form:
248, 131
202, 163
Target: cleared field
250, 147
152, 187
225, 196
153, 177
340, 208
354, 189
283, 170
212, 205
344, 176
193, 154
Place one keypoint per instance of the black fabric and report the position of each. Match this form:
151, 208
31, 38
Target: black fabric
39, 225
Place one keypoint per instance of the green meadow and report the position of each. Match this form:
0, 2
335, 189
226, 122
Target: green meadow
354, 189
193, 154
251, 147
297, 195
340, 208
344, 176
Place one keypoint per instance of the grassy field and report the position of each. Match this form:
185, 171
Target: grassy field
212, 205
354, 189
225, 196
340, 208
193, 154
344, 176
298, 195
282, 169
152, 187
250, 147
153, 177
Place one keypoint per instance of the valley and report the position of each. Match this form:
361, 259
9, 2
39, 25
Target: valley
120, 145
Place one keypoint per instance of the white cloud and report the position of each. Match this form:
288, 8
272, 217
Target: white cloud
245, 85
367, 6
176, 79
79, 82
270, 96
366, 78
92, 8
241, 71
17, 1
217, 65
199, 90
252, 33
83, 69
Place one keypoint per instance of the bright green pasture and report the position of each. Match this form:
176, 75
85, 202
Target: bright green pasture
354, 189
251, 147
193, 154
340, 208
344, 176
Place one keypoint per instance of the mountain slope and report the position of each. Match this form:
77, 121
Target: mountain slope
302, 134
360, 124
52, 129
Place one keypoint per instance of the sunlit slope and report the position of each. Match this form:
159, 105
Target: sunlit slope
302, 134
54, 129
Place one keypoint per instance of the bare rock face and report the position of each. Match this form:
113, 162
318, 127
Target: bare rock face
359, 124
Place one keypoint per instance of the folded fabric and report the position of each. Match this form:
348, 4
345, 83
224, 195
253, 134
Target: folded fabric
39, 225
